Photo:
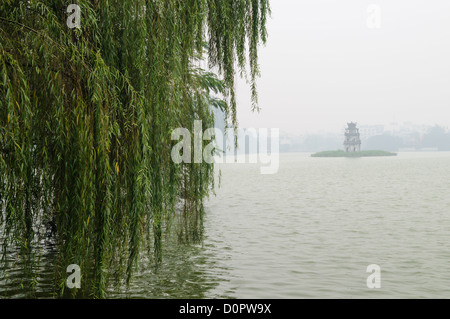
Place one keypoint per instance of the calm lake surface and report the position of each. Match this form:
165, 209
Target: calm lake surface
312, 229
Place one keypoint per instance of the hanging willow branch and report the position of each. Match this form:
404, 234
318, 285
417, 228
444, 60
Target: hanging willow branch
86, 117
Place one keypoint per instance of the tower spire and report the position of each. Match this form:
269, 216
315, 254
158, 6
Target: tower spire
352, 141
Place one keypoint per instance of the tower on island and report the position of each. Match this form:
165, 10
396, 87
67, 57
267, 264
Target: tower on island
352, 141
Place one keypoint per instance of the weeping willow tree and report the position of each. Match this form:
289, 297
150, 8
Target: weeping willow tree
86, 117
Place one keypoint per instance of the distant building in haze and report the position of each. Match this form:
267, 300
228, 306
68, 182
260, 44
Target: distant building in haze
368, 131
352, 141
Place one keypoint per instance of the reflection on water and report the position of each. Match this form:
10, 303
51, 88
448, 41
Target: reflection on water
187, 271
15, 280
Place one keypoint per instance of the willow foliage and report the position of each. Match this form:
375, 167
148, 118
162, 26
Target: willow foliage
86, 117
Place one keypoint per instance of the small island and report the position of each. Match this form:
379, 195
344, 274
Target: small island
341, 153
352, 146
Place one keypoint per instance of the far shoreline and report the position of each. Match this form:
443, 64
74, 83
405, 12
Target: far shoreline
340, 153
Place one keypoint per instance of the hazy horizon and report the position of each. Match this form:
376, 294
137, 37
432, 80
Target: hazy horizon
323, 66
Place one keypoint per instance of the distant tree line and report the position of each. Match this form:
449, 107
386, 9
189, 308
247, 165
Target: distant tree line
436, 138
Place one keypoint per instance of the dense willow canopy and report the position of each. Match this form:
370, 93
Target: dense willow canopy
86, 117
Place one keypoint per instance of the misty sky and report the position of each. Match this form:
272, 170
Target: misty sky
323, 65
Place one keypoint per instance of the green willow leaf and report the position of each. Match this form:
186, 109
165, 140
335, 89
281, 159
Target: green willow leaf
86, 118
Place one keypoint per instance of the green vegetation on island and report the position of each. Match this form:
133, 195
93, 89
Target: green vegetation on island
341, 153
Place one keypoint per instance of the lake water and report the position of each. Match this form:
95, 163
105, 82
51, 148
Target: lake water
312, 230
